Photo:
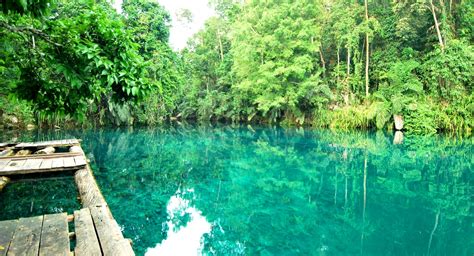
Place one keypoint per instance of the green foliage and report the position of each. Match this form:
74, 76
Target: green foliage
449, 74
377, 114
33, 7
86, 61
294, 61
400, 86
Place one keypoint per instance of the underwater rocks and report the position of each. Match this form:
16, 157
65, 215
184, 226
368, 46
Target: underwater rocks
23, 152
45, 151
7, 152
3, 182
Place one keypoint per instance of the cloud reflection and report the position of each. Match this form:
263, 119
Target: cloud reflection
183, 237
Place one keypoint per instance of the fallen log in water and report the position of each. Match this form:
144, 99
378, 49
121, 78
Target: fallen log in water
7, 152
23, 152
75, 149
48, 150
3, 182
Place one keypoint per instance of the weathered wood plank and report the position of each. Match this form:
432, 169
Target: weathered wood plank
14, 165
69, 162
58, 163
27, 235
87, 242
80, 160
33, 163
55, 235
47, 163
7, 229
3, 163
111, 239
48, 143
54, 155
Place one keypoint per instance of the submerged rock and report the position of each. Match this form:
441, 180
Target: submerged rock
23, 152
48, 150
7, 152
3, 182
398, 122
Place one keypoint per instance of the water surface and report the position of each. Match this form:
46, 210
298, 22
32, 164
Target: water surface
270, 191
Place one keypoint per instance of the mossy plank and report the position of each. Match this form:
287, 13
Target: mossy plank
7, 229
87, 242
26, 239
55, 235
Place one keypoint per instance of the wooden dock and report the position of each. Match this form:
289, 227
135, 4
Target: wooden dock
36, 163
95, 230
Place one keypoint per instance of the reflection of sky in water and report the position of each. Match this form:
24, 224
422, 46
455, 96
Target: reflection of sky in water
182, 238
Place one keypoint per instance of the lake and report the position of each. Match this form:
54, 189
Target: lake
222, 190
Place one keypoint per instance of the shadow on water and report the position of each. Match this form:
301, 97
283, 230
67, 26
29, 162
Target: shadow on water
270, 191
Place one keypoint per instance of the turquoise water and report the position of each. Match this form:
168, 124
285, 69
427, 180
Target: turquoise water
271, 191
31, 196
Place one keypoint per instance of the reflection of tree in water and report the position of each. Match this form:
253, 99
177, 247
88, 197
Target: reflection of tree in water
274, 191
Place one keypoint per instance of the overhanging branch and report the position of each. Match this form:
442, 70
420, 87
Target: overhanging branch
30, 30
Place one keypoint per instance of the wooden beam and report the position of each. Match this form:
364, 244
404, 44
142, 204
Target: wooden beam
13, 165
88, 189
80, 160
39, 156
87, 242
69, 162
55, 235
58, 163
33, 163
110, 236
4, 162
53, 143
27, 235
7, 229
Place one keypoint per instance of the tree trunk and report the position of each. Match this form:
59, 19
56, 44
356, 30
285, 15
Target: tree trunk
366, 51
221, 50
438, 32
338, 63
322, 58
348, 62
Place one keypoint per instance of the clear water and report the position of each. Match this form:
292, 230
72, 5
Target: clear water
271, 191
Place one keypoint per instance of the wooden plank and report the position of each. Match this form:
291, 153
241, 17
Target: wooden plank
27, 235
46, 164
55, 235
7, 229
86, 238
3, 163
110, 237
69, 162
54, 155
58, 163
14, 165
23, 145
48, 143
33, 163
80, 160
